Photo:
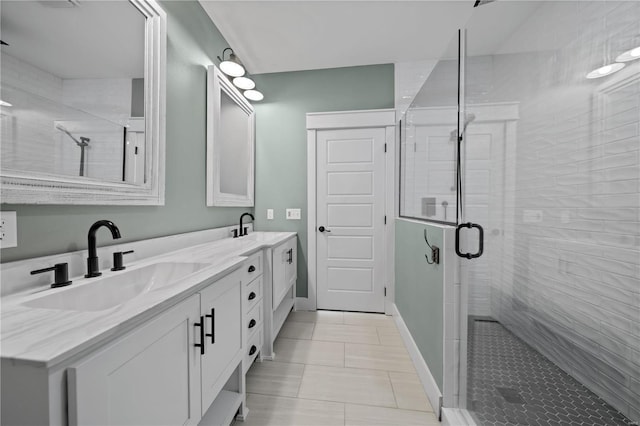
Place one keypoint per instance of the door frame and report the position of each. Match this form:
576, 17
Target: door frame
377, 118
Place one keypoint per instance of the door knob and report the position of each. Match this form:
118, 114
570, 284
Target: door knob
323, 229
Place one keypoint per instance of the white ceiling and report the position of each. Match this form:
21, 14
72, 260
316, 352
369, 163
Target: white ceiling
276, 36
97, 39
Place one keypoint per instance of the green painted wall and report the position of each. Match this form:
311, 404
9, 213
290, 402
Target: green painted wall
281, 137
419, 296
193, 43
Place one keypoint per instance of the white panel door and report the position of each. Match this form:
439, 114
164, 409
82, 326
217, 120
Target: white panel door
350, 219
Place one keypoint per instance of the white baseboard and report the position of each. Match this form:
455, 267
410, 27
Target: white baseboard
304, 304
456, 417
428, 382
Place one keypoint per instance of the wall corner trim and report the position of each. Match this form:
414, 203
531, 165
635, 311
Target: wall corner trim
426, 378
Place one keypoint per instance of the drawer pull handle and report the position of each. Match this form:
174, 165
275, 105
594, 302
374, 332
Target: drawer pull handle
252, 323
252, 295
252, 268
252, 350
213, 325
201, 344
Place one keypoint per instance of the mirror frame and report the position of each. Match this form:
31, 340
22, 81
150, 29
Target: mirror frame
216, 84
25, 187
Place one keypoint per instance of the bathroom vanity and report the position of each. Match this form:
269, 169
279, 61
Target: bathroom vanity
166, 341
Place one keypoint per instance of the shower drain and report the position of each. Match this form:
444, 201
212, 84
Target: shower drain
510, 395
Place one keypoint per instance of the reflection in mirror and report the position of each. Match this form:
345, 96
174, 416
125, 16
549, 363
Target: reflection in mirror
234, 147
428, 145
73, 89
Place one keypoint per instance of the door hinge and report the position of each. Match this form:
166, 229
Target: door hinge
385, 147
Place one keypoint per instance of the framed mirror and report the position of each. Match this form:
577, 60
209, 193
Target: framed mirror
82, 111
230, 144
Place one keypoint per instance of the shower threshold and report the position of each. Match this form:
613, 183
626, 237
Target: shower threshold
510, 383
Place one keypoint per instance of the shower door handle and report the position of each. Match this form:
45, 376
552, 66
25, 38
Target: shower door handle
480, 240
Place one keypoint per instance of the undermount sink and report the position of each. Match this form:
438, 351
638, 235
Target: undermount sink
105, 293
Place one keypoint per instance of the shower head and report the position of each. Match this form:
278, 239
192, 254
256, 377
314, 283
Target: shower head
468, 119
81, 143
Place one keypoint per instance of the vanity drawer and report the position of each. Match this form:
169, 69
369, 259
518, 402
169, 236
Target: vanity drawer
252, 350
253, 294
252, 267
253, 320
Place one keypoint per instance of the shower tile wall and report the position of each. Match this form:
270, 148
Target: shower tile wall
32, 127
567, 281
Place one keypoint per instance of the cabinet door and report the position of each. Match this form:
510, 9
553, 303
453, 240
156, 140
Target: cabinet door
151, 376
291, 265
284, 270
221, 308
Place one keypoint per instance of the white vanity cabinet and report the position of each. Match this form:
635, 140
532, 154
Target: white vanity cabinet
253, 287
222, 331
169, 370
150, 376
284, 269
280, 294
176, 354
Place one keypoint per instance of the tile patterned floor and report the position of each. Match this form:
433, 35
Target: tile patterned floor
337, 368
513, 384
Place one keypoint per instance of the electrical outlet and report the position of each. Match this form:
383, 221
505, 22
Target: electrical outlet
270, 214
293, 214
8, 230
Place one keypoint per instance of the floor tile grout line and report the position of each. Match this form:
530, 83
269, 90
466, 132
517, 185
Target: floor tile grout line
393, 391
304, 368
341, 402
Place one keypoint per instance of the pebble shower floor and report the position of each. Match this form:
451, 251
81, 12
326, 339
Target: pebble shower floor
510, 383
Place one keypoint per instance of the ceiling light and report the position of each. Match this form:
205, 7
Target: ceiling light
244, 83
232, 66
605, 70
3, 103
253, 95
629, 55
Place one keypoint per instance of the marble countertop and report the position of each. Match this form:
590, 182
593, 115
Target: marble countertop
48, 337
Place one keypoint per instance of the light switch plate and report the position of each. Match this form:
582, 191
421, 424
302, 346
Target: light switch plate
293, 214
270, 214
8, 230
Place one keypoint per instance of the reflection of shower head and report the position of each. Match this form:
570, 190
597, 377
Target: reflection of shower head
81, 143
468, 119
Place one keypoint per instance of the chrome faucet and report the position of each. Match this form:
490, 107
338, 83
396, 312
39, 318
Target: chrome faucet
93, 266
241, 232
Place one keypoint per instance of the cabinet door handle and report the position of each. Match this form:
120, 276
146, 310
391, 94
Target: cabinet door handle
213, 325
252, 295
252, 350
201, 344
290, 260
252, 323
252, 268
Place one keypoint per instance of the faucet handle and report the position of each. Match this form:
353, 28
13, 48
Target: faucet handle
118, 261
61, 276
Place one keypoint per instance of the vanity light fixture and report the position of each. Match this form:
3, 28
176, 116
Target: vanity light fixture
5, 104
605, 70
629, 55
244, 83
253, 95
231, 66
